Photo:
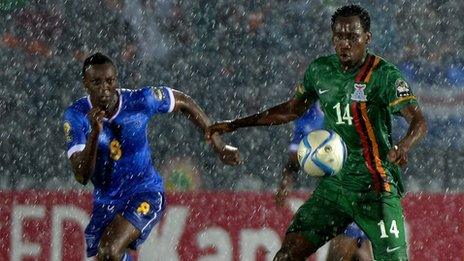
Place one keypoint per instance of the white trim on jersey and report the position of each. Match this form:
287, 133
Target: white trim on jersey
156, 215
74, 149
89, 101
119, 106
171, 98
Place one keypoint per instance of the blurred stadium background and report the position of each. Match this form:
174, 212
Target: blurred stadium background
234, 58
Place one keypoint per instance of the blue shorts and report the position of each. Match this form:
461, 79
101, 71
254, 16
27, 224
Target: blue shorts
143, 210
354, 232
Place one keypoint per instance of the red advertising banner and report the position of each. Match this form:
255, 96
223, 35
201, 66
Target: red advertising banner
49, 225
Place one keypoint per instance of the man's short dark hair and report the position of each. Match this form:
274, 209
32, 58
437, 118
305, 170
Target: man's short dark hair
353, 10
96, 58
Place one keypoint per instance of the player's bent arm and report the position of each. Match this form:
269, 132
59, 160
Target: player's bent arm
187, 106
280, 114
417, 126
83, 162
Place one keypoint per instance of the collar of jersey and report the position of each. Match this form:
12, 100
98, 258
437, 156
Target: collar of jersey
353, 71
119, 106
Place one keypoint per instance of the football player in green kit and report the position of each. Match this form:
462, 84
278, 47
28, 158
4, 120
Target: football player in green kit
359, 92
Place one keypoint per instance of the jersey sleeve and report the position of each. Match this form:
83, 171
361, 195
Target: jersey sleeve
397, 92
75, 131
159, 99
306, 89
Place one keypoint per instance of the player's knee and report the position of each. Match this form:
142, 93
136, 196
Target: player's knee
294, 248
285, 254
281, 256
108, 252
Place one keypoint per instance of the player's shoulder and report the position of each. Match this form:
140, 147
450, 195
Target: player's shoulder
325, 59
133, 99
79, 108
325, 62
140, 97
142, 91
129, 94
385, 66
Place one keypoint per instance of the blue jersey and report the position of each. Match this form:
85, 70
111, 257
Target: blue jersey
124, 165
313, 119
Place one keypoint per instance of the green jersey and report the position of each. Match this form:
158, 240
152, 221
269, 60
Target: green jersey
358, 105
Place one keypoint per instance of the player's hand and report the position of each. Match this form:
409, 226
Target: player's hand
398, 154
229, 155
219, 128
95, 116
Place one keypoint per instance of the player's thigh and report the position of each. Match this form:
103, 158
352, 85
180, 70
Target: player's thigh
138, 215
364, 252
102, 215
347, 245
143, 211
321, 217
119, 234
381, 218
342, 247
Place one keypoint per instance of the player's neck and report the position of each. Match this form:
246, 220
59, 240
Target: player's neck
355, 66
113, 106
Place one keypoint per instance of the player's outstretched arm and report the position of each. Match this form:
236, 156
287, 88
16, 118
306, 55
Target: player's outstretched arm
187, 106
83, 162
416, 132
280, 114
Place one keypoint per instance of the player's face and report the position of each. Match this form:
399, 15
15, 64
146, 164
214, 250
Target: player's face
350, 40
100, 81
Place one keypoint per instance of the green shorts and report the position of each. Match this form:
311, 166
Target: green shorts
332, 207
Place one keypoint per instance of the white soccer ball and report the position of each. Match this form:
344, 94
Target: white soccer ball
322, 153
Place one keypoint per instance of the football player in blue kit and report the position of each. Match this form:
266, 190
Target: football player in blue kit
353, 244
106, 136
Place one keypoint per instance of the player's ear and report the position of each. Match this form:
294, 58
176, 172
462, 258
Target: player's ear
368, 37
333, 37
85, 82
